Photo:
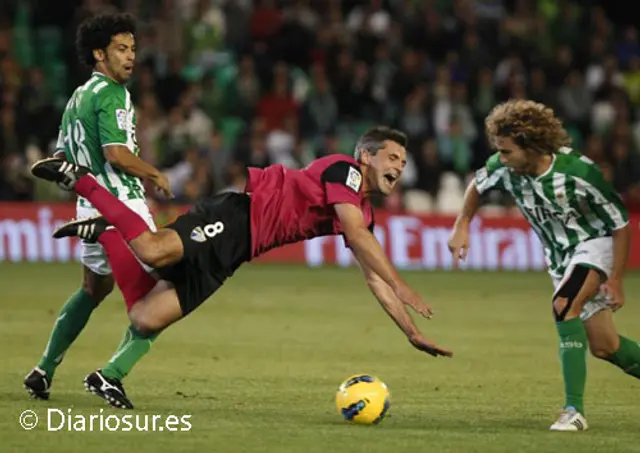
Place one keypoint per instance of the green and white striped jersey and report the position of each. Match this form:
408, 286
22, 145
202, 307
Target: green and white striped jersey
567, 205
101, 113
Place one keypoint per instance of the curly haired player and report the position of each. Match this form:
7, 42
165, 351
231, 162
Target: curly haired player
98, 132
194, 255
583, 227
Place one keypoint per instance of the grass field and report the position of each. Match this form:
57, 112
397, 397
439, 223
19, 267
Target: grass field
257, 367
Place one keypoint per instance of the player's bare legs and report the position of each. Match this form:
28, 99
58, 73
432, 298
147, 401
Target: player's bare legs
602, 335
581, 285
158, 249
607, 344
157, 310
152, 304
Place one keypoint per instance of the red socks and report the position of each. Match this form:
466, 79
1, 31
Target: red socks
128, 223
134, 282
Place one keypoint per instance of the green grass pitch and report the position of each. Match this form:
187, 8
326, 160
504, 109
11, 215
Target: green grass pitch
257, 366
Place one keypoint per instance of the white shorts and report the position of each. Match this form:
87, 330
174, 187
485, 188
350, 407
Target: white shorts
93, 256
597, 254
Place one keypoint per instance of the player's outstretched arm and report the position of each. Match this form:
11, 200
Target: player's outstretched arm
397, 311
459, 239
120, 156
369, 252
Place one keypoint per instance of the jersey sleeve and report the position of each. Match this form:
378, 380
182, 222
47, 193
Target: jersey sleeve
342, 183
114, 122
491, 176
604, 199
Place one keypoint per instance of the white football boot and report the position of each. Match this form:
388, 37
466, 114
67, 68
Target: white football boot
570, 420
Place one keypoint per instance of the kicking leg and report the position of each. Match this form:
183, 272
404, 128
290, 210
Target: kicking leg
605, 343
154, 249
581, 284
72, 318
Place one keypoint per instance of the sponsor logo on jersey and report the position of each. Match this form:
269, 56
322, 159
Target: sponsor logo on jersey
354, 179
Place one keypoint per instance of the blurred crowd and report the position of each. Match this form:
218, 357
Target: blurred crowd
224, 83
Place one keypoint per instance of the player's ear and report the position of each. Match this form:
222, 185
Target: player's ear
98, 55
365, 156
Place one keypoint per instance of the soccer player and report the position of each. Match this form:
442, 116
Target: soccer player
583, 227
194, 255
98, 132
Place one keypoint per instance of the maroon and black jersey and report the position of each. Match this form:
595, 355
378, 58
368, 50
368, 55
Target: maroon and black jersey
293, 205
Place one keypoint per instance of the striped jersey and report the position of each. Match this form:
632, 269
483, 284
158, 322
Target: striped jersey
100, 113
568, 204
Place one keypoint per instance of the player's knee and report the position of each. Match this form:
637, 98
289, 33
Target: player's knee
604, 348
144, 323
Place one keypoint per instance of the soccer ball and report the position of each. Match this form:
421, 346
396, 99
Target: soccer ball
363, 399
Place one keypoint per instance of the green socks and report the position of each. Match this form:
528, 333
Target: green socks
627, 357
71, 320
573, 357
130, 351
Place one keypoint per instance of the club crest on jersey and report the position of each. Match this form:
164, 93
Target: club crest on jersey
121, 119
197, 234
354, 179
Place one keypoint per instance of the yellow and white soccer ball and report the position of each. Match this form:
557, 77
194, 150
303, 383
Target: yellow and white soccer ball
363, 399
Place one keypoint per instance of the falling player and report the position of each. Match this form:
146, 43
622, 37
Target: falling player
583, 227
98, 132
194, 255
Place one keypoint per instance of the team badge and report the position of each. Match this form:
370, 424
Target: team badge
197, 234
354, 179
121, 119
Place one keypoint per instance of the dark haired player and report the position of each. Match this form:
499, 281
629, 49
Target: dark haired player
195, 255
98, 132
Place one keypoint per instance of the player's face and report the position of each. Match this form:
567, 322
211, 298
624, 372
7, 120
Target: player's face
512, 156
120, 57
386, 167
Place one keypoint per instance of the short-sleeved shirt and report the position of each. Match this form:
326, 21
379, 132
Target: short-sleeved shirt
568, 204
100, 113
293, 205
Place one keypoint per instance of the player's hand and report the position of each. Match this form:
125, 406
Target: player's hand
613, 290
422, 344
409, 297
161, 183
459, 245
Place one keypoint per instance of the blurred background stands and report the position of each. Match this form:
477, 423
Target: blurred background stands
225, 83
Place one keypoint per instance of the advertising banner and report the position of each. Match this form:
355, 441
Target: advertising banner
411, 241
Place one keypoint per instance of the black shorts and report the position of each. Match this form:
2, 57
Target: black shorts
216, 237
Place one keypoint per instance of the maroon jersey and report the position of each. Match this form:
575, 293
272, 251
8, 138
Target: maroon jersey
293, 205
